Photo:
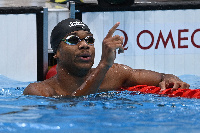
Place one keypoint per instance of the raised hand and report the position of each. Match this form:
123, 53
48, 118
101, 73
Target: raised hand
109, 46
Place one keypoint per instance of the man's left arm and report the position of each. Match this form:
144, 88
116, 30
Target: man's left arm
152, 78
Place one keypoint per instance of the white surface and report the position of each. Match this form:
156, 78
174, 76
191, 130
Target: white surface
18, 47
54, 17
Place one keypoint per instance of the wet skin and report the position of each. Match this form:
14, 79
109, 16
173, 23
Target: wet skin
76, 77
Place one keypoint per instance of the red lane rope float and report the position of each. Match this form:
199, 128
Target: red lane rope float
186, 93
52, 71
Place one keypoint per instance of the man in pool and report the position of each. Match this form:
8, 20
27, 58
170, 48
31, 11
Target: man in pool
73, 45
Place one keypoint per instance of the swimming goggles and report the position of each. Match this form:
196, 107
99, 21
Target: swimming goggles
73, 40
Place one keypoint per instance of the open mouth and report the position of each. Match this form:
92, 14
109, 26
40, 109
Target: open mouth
85, 57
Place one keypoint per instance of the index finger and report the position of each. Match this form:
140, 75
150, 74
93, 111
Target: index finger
112, 30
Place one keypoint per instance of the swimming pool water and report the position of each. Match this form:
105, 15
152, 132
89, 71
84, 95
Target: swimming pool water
105, 112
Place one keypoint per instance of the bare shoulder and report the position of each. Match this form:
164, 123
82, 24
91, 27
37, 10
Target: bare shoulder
40, 88
120, 69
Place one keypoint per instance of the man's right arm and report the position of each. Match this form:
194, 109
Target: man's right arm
109, 46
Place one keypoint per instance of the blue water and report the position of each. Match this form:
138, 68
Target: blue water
106, 112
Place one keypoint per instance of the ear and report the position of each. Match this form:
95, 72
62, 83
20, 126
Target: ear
57, 55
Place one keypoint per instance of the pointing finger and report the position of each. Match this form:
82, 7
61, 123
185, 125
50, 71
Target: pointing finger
112, 30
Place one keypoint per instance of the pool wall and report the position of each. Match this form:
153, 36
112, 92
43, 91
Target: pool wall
163, 37
54, 17
23, 43
25, 40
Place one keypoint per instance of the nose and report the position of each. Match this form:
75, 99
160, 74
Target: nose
83, 45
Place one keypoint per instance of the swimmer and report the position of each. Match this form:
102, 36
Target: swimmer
74, 48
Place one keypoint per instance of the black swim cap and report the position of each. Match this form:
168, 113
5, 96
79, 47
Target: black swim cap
63, 28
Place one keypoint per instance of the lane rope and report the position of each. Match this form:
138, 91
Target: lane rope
186, 93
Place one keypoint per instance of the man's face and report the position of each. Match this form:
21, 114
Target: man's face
80, 55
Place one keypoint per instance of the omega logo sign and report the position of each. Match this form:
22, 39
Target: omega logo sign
169, 37
160, 38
